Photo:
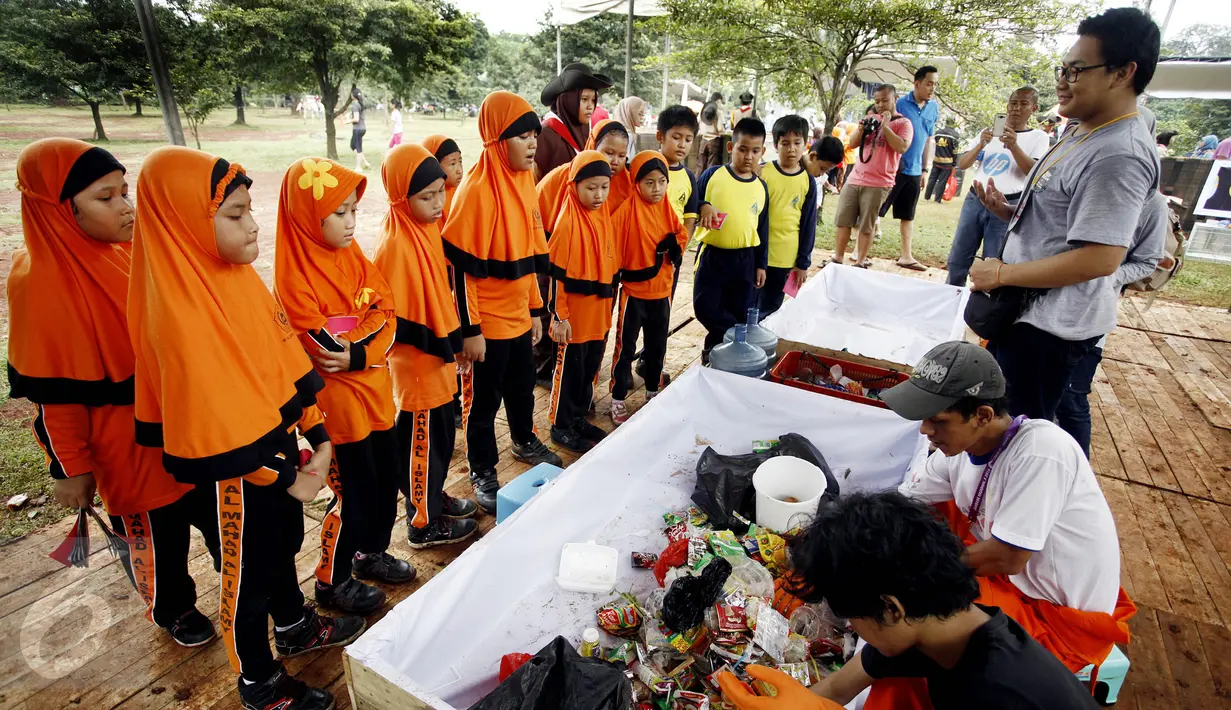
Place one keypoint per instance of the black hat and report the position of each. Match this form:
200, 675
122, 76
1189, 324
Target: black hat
947, 373
574, 76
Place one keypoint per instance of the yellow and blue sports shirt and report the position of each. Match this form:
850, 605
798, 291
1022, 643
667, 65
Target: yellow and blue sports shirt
682, 191
746, 204
792, 216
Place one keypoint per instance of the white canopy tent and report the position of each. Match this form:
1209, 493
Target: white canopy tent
571, 12
1185, 78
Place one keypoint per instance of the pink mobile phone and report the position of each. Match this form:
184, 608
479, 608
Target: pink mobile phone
719, 218
338, 325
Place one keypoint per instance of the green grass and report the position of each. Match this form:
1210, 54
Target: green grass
22, 470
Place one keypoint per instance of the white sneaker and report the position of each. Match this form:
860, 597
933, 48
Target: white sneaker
619, 412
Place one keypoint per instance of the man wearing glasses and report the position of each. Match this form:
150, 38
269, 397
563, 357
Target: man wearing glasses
1074, 223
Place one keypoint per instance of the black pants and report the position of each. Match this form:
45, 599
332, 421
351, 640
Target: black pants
364, 479
572, 383
506, 373
1073, 413
961, 179
772, 292
545, 349
723, 286
1037, 367
356, 139
938, 179
262, 530
426, 439
157, 560
636, 316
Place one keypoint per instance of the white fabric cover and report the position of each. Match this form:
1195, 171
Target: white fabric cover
443, 644
872, 313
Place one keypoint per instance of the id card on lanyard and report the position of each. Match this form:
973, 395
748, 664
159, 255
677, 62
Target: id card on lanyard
976, 504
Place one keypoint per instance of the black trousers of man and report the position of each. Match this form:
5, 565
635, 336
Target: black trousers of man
1037, 367
938, 180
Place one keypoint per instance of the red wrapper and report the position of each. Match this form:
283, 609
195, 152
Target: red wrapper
619, 618
511, 662
676, 532
675, 555
644, 560
731, 619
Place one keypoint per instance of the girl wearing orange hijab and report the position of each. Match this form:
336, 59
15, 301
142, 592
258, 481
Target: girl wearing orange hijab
342, 310
69, 354
221, 385
650, 239
449, 155
607, 137
583, 269
494, 239
428, 345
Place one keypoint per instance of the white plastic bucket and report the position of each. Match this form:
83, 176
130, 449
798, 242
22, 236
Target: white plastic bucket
785, 478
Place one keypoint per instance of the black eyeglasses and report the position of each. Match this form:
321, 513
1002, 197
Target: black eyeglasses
1071, 73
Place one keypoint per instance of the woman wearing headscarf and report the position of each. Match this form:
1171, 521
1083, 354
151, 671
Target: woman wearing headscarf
222, 385
342, 310
494, 239
608, 137
630, 112
69, 355
572, 97
1205, 149
449, 155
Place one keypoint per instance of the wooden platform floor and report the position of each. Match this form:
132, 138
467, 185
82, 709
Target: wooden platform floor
78, 638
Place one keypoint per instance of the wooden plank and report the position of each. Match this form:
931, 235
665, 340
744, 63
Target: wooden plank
1185, 589
1126, 345
1193, 358
1138, 571
1187, 657
1166, 436
1160, 473
1150, 673
1216, 641
1188, 442
1207, 392
1113, 414
1205, 554
1213, 352
1104, 458
1128, 315
371, 691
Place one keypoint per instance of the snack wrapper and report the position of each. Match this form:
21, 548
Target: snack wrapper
731, 619
657, 684
673, 518
685, 642
772, 549
764, 689
772, 632
676, 531
644, 560
619, 618
760, 446
697, 550
725, 544
697, 517
621, 653
687, 700
798, 671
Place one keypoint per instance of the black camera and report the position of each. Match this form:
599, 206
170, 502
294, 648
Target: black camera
870, 125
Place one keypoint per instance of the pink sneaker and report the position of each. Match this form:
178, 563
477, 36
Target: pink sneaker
619, 412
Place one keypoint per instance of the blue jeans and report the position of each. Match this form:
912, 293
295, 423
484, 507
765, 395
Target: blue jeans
1073, 414
975, 226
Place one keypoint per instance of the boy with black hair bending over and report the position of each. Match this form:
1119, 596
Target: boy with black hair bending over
792, 211
734, 235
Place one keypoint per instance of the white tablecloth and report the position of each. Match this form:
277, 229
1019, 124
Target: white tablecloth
443, 644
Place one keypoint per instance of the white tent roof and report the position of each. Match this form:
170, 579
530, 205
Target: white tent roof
1183, 78
570, 12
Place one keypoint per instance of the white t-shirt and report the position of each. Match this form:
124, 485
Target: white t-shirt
1042, 496
996, 161
395, 121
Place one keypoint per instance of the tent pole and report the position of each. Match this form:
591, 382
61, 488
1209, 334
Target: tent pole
628, 53
1167, 19
559, 65
666, 53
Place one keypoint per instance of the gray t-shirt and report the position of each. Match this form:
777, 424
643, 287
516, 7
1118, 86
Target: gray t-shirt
1148, 242
356, 115
1094, 194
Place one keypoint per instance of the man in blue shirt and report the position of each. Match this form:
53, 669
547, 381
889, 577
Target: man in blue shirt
923, 112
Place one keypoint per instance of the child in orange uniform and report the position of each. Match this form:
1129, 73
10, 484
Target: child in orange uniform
342, 310
69, 354
222, 383
494, 238
650, 239
583, 269
449, 155
608, 137
428, 344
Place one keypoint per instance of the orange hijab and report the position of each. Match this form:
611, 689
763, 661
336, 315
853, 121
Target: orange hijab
621, 184
645, 231
582, 253
495, 228
314, 281
434, 143
68, 340
218, 363
411, 256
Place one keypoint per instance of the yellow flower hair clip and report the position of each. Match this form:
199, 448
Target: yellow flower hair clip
316, 176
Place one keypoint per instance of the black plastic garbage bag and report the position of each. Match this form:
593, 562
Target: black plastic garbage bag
558, 678
688, 598
724, 483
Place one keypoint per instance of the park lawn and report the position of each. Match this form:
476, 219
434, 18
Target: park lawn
23, 468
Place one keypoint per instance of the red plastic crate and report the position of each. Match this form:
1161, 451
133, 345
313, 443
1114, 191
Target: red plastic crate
868, 376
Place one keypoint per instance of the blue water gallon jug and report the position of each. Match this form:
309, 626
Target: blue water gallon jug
739, 356
759, 336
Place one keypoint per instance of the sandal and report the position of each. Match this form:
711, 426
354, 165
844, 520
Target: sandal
863, 265
913, 266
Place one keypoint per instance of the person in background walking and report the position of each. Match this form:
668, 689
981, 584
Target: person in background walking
1164, 142
745, 109
922, 112
710, 153
942, 163
358, 128
1007, 158
395, 123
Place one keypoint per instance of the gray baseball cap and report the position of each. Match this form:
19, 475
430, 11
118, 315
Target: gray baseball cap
947, 373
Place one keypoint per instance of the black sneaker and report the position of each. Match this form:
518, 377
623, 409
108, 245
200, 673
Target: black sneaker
442, 531
351, 597
589, 431
458, 508
571, 439
383, 567
282, 692
192, 629
486, 486
316, 632
536, 452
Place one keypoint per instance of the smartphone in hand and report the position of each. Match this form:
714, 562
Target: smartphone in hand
998, 126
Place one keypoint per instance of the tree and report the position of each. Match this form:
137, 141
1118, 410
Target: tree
333, 42
1200, 41
512, 63
200, 76
1194, 118
599, 42
817, 48
90, 49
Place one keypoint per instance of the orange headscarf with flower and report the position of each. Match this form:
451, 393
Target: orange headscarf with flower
649, 237
434, 143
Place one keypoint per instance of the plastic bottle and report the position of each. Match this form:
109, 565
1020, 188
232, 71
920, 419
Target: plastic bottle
759, 336
739, 356
589, 643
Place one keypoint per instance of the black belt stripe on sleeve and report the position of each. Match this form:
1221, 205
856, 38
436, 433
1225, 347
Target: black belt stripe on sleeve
420, 336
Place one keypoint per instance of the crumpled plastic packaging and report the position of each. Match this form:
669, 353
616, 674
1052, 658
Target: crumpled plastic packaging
558, 677
688, 597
